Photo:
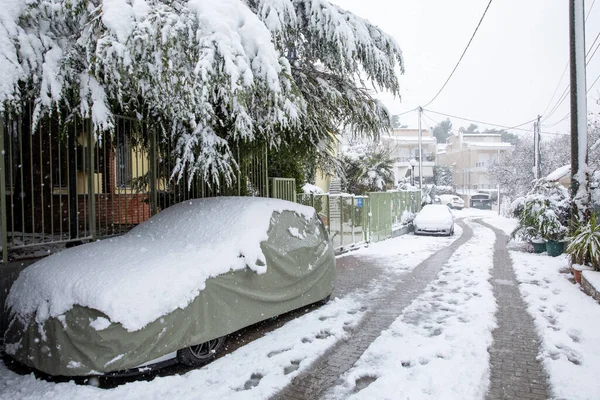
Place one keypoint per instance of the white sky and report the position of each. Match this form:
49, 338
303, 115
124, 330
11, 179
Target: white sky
510, 71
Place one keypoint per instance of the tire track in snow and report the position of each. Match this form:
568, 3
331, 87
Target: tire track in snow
515, 371
438, 347
325, 372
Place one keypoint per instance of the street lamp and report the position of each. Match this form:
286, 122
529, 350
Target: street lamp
413, 163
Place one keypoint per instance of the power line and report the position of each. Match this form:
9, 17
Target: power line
563, 75
515, 127
592, 85
406, 112
569, 113
595, 50
563, 96
565, 93
462, 55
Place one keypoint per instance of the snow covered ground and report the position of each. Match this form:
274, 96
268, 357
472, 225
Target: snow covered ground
436, 349
261, 368
567, 321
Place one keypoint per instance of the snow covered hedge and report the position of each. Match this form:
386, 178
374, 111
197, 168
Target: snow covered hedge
210, 73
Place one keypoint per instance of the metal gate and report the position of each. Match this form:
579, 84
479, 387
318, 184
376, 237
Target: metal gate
61, 184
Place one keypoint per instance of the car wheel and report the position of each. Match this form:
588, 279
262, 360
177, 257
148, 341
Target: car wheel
200, 354
449, 205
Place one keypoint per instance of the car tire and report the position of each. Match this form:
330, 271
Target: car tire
449, 205
201, 354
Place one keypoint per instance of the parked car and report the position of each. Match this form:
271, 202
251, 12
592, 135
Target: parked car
173, 287
452, 201
434, 219
483, 201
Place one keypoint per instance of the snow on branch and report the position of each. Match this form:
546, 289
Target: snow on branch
214, 72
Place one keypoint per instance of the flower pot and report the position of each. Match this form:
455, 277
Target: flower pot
555, 248
577, 269
538, 247
577, 275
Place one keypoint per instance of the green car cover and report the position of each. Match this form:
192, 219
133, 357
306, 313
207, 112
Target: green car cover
300, 271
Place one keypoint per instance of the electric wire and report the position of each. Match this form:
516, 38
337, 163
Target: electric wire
515, 127
566, 91
462, 55
563, 97
569, 113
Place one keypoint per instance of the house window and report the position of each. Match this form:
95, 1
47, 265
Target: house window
123, 161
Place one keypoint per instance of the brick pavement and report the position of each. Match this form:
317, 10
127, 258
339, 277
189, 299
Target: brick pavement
327, 369
515, 371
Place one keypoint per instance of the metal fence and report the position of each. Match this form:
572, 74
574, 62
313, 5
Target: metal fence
283, 188
353, 220
60, 183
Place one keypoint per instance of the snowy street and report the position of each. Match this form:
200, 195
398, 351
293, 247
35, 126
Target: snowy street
411, 318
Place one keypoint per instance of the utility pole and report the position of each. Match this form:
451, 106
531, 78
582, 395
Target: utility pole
537, 137
578, 107
420, 150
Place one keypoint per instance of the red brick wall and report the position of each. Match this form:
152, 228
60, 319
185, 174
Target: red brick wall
117, 209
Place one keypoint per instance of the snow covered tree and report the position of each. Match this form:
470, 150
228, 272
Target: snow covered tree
443, 130
442, 175
211, 74
371, 171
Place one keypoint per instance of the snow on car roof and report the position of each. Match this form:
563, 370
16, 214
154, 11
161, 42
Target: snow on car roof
431, 209
157, 267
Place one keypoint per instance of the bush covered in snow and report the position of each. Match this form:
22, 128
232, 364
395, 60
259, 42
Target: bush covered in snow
407, 217
543, 213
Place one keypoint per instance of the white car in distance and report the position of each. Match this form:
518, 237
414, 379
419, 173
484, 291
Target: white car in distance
434, 219
452, 201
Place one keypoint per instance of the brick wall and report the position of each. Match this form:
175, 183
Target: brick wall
117, 209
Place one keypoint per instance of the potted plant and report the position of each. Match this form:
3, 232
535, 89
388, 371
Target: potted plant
553, 231
543, 216
527, 228
584, 246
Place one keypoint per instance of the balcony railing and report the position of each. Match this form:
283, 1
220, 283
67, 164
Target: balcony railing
426, 158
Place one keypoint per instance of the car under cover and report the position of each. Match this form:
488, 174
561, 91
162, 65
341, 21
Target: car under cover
197, 271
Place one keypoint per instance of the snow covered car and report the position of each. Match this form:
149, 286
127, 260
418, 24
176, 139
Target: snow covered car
174, 286
434, 219
452, 201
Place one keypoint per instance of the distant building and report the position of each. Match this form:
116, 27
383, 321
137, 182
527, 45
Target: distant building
469, 156
404, 146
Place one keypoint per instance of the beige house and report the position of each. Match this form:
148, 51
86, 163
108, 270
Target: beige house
469, 156
404, 146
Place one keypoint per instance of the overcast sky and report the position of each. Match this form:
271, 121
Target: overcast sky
510, 71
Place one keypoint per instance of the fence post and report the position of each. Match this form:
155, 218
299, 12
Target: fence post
370, 220
342, 221
312, 200
91, 188
3, 193
329, 214
266, 171
153, 172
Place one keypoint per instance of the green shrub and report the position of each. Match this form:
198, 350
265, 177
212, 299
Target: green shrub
584, 247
